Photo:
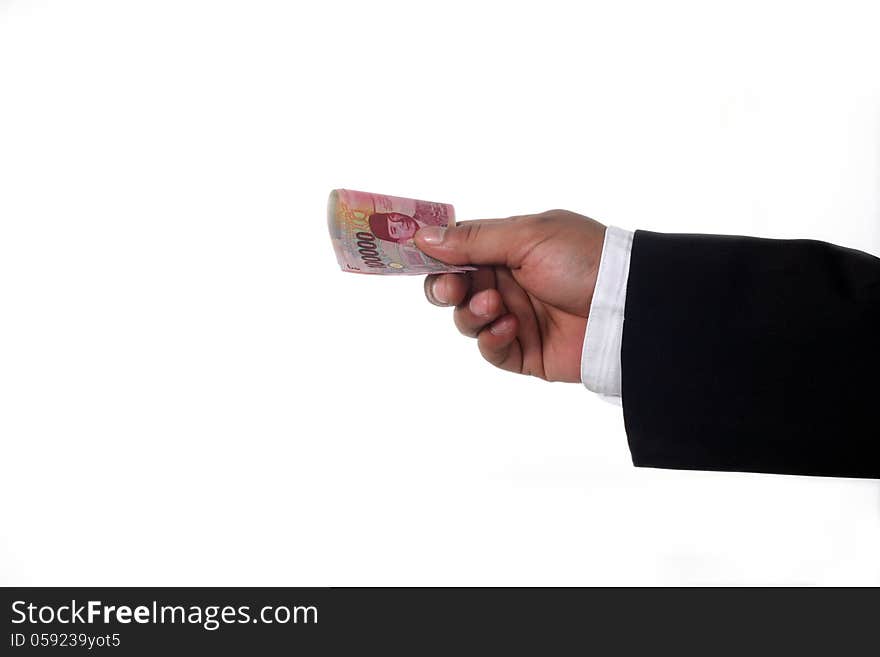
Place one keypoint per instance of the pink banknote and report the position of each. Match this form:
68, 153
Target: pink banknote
373, 233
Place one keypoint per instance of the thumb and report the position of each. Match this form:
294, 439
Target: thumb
480, 242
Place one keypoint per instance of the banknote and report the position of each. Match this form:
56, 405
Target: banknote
373, 233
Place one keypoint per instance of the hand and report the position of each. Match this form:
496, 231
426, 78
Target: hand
527, 304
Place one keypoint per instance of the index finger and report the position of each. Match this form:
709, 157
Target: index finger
447, 289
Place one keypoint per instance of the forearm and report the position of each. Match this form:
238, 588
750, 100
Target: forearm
753, 355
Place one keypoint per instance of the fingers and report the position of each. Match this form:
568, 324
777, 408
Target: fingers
481, 242
499, 346
481, 312
483, 308
517, 301
447, 289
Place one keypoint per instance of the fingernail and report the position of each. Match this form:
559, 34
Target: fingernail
438, 291
502, 326
432, 234
479, 305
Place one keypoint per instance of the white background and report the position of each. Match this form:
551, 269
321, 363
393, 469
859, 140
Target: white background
191, 392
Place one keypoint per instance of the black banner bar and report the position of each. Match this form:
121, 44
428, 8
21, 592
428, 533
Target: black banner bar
316, 621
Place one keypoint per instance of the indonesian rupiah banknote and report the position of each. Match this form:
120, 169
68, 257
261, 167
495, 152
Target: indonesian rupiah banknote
373, 233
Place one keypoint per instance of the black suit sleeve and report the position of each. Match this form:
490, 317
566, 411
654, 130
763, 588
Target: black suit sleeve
752, 355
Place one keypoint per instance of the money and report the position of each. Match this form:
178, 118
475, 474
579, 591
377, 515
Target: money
373, 233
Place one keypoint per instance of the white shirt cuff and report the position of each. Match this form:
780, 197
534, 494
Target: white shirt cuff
601, 370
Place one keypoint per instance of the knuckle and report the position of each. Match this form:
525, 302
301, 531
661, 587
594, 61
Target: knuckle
462, 323
491, 356
550, 216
